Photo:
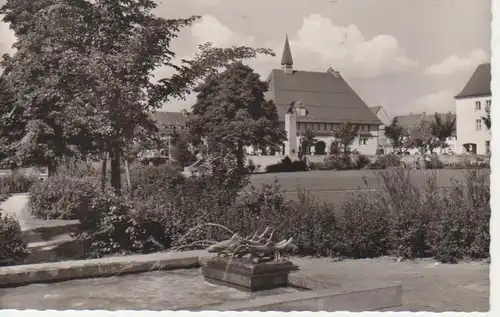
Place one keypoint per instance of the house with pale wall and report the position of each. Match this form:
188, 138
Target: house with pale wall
472, 104
168, 123
382, 142
323, 101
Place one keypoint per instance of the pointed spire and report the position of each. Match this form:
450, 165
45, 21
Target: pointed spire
286, 59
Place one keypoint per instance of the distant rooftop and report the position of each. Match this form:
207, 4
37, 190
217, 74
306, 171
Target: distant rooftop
479, 83
411, 121
169, 120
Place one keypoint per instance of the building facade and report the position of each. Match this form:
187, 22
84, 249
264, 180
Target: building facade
383, 143
472, 104
322, 102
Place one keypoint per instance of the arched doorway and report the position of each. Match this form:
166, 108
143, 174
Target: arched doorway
470, 148
320, 147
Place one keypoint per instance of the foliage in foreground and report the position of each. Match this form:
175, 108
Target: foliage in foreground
13, 250
163, 209
65, 194
16, 182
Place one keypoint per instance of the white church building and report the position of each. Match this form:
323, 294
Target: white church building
323, 101
472, 104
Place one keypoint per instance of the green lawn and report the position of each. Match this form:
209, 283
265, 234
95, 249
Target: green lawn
334, 186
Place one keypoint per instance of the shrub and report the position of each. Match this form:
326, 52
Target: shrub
362, 162
60, 196
13, 250
363, 228
433, 163
287, 165
16, 182
312, 224
468, 164
334, 162
170, 207
460, 226
385, 161
110, 225
150, 181
71, 167
408, 211
181, 151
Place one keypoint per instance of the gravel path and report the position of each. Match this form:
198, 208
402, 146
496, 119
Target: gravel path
16, 206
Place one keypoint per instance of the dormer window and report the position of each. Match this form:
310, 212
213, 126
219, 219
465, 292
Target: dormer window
302, 111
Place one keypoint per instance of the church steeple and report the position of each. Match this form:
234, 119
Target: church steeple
286, 59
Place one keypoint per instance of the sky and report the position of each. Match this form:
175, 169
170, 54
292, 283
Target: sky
404, 55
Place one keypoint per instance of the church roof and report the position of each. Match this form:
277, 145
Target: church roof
326, 95
479, 83
286, 58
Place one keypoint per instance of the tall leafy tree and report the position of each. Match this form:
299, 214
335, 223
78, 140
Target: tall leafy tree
423, 137
231, 112
180, 148
345, 134
442, 127
306, 141
397, 135
83, 74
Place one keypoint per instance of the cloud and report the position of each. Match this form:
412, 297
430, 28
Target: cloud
210, 29
7, 38
442, 101
178, 105
455, 64
347, 50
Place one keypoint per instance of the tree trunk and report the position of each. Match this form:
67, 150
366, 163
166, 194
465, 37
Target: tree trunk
240, 155
115, 169
104, 165
51, 169
127, 173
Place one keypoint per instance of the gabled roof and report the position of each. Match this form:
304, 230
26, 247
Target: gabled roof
375, 109
409, 121
479, 83
327, 97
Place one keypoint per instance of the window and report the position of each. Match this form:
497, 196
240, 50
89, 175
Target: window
324, 126
331, 127
488, 105
363, 140
478, 105
478, 124
302, 112
316, 127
